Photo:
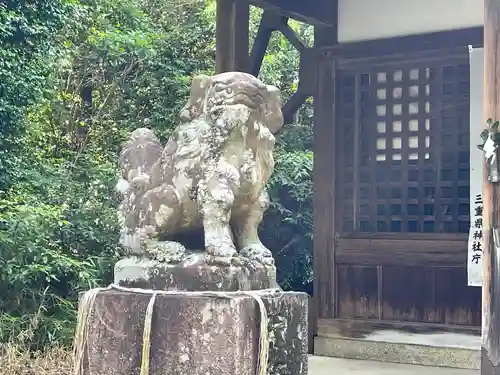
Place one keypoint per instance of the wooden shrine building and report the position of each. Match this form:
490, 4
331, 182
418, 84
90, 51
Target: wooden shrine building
390, 81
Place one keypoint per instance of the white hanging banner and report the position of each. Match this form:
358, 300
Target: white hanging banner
475, 245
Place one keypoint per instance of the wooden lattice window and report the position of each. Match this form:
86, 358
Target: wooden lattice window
404, 150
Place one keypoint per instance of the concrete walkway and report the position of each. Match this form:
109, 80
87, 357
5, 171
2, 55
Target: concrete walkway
338, 366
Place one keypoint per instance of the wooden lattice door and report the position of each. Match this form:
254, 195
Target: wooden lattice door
403, 178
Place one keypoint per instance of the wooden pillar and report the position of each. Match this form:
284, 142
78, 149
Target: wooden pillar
490, 350
232, 36
324, 176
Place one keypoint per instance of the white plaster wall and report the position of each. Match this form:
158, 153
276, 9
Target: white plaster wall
374, 19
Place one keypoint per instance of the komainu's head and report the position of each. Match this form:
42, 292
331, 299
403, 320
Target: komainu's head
210, 94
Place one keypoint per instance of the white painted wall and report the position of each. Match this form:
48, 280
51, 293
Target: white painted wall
374, 19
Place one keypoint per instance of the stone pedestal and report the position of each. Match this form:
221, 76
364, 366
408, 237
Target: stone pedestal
194, 274
288, 332
196, 335
189, 335
192, 333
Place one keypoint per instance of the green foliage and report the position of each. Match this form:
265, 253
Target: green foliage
75, 78
290, 189
29, 49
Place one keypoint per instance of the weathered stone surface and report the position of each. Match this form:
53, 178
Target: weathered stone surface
211, 176
194, 274
197, 335
288, 332
190, 335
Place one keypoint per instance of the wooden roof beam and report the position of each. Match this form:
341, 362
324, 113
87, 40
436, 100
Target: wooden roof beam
314, 12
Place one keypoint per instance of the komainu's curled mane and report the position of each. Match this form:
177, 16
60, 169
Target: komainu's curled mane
211, 175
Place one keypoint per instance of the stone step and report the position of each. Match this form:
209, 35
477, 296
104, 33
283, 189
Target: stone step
342, 366
438, 349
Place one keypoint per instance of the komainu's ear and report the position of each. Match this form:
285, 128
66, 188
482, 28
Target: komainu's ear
194, 106
273, 117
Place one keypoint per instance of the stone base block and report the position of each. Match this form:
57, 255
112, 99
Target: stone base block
189, 335
288, 332
196, 335
192, 275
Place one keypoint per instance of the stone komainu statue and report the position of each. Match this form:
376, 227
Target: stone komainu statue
211, 175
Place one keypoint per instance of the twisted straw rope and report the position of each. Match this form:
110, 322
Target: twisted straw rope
87, 304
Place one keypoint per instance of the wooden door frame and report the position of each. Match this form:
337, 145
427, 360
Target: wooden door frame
330, 246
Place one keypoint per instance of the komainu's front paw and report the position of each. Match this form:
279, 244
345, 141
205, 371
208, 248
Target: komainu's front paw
221, 252
259, 253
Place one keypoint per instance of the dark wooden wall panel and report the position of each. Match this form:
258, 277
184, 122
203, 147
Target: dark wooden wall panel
444, 250
408, 294
358, 292
457, 303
